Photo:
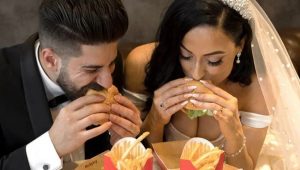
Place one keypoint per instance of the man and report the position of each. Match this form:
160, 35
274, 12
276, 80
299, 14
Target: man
75, 49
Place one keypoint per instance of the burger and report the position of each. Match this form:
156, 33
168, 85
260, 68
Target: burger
191, 109
107, 93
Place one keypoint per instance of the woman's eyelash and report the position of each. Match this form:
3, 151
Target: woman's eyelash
185, 57
212, 63
215, 63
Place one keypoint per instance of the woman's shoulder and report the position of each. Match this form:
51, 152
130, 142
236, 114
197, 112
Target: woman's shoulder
141, 54
253, 99
250, 97
135, 64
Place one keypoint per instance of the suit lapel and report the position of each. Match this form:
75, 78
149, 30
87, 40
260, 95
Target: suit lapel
34, 91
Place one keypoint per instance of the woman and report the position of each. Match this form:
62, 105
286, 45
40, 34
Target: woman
211, 41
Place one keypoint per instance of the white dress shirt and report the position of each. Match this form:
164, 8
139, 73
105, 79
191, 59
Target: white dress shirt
41, 153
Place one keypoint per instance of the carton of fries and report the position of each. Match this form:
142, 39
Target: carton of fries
200, 154
168, 156
129, 154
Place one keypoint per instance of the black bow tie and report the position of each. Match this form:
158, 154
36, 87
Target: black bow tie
57, 101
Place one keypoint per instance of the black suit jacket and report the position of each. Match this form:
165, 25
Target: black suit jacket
24, 112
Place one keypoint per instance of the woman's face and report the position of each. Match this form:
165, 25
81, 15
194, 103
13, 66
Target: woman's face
208, 54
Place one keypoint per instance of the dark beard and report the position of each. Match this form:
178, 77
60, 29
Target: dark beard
68, 87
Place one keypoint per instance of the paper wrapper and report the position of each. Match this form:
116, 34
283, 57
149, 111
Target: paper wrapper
193, 151
113, 157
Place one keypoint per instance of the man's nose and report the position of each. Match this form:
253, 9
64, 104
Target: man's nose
105, 79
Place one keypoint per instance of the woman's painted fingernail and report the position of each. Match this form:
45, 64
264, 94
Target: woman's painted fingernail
194, 102
192, 87
195, 95
191, 95
188, 79
203, 81
188, 95
184, 103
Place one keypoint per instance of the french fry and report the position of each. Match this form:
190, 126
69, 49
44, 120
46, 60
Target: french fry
194, 150
210, 156
138, 140
130, 154
201, 153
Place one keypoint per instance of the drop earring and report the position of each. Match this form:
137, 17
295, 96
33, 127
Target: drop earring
238, 61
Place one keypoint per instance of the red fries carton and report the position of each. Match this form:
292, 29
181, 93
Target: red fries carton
128, 154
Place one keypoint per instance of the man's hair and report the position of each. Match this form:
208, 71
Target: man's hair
64, 25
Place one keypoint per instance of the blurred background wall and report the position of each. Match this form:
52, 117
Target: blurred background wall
18, 19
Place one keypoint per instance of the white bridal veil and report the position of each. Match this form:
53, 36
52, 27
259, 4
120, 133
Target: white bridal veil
281, 89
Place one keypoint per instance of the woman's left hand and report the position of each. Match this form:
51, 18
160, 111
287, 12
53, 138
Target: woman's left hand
225, 109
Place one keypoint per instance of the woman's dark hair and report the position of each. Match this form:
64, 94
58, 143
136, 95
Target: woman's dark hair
64, 25
180, 18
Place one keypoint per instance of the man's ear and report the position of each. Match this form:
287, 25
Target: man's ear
49, 59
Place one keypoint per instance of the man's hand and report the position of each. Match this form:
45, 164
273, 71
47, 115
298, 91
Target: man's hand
125, 118
68, 131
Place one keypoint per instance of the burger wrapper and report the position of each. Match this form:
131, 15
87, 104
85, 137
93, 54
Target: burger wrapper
112, 157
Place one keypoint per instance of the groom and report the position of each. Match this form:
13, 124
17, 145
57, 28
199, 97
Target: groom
44, 115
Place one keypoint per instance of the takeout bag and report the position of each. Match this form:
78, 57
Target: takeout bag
111, 157
188, 148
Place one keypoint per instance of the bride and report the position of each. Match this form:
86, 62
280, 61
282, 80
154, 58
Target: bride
233, 48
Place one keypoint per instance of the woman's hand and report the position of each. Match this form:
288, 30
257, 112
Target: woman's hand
169, 99
225, 109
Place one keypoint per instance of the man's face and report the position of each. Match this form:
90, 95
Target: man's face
95, 65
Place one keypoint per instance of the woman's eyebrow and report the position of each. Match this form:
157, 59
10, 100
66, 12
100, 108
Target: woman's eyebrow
208, 54
186, 49
214, 53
